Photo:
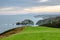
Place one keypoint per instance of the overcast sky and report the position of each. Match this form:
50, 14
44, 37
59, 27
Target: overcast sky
28, 6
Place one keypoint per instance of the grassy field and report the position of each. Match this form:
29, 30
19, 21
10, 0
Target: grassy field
36, 33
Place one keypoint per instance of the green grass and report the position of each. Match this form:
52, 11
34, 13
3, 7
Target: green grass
36, 33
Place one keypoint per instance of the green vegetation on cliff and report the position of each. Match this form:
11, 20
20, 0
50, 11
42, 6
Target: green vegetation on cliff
36, 33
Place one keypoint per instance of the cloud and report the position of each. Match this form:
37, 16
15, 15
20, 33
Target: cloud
48, 2
29, 3
31, 10
43, 0
7, 9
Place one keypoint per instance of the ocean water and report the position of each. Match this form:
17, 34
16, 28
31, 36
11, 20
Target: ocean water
8, 22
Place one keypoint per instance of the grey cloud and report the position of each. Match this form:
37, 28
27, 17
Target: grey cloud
28, 3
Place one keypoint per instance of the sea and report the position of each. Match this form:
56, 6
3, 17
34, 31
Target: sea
8, 22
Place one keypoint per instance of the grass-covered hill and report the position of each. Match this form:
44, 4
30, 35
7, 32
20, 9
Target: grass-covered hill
35, 33
50, 22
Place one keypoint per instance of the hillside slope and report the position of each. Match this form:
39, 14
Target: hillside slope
36, 33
